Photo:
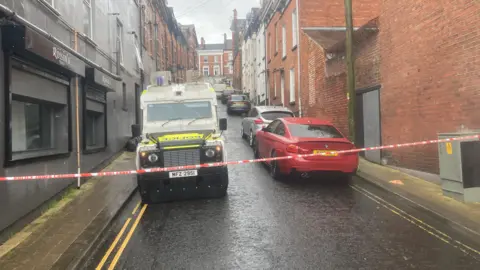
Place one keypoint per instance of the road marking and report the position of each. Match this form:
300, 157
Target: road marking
419, 223
112, 246
136, 208
125, 241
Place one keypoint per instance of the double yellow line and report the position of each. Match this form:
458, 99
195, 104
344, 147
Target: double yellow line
125, 241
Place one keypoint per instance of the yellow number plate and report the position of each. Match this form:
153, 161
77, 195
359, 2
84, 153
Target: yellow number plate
327, 153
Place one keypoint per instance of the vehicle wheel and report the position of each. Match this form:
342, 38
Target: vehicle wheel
275, 169
256, 153
243, 134
251, 139
222, 192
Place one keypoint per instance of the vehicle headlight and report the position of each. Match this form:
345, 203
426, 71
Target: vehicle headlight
210, 153
153, 158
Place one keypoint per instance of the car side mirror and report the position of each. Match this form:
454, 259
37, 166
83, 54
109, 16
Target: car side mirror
223, 124
136, 130
264, 129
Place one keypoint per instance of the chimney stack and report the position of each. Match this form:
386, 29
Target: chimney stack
202, 40
225, 37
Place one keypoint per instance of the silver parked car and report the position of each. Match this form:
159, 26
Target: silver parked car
259, 117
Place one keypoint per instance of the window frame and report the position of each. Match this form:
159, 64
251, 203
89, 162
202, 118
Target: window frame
63, 108
120, 40
206, 69
284, 41
294, 28
282, 86
86, 149
88, 4
292, 85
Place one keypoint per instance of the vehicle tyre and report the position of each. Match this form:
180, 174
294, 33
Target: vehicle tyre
251, 138
222, 192
256, 153
346, 179
275, 169
243, 134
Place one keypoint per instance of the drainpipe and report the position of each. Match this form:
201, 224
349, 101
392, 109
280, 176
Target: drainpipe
299, 69
42, 32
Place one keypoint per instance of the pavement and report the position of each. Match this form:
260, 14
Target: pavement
64, 234
372, 223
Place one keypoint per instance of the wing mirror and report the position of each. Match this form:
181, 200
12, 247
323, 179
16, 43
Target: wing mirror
223, 124
264, 129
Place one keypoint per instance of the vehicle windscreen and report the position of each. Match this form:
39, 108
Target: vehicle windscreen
274, 115
228, 92
239, 98
314, 131
185, 110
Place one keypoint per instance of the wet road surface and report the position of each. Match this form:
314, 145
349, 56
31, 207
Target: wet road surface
264, 224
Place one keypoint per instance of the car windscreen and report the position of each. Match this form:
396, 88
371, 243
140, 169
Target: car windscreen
184, 110
228, 92
313, 131
239, 98
274, 115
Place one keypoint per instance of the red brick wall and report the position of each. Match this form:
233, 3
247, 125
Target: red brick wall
430, 74
314, 13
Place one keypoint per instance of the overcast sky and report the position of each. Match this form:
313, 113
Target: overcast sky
212, 18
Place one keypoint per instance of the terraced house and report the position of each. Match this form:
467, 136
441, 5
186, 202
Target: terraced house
72, 73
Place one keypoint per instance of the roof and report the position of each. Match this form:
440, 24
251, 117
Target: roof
212, 47
306, 120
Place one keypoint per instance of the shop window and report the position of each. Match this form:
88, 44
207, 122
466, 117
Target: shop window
38, 119
95, 130
37, 128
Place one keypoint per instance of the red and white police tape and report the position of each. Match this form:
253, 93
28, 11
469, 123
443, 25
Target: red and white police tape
217, 164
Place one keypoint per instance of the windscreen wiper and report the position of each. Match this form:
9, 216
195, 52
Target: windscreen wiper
170, 120
204, 117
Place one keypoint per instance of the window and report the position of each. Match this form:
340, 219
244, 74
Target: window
205, 59
282, 86
87, 19
314, 131
280, 130
274, 85
216, 59
284, 41
38, 119
272, 126
178, 111
124, 95
205, 71
230, 57
238, 98
275, 49
120, 40
274, 115
216, 70
294, 28
94, 124
292, 85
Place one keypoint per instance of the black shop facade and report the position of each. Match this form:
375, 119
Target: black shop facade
41, 84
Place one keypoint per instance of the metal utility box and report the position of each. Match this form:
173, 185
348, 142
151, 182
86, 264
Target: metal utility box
459, 167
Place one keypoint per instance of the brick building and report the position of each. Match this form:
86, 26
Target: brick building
215, 59
286, 39
416, 76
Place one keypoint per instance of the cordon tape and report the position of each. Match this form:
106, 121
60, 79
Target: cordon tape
218, 164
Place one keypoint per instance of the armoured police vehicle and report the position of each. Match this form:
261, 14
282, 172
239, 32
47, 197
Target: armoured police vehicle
181, 127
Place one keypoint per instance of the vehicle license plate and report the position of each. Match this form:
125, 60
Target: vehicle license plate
327, 153
177, 174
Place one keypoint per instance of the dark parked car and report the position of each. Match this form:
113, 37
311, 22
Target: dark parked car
238, 104
226, 94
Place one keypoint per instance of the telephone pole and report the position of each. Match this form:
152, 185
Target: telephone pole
350, 70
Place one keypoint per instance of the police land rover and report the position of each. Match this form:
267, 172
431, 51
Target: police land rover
181, 127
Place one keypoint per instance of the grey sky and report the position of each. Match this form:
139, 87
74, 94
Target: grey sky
211, 17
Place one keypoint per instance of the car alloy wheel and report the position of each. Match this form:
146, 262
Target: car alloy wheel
251, 139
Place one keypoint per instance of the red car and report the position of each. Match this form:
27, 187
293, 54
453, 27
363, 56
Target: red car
293, 136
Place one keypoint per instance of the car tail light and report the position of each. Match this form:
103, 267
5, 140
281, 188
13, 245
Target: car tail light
258, 121
294, 149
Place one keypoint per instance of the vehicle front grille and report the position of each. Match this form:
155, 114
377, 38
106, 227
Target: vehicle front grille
181, 157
